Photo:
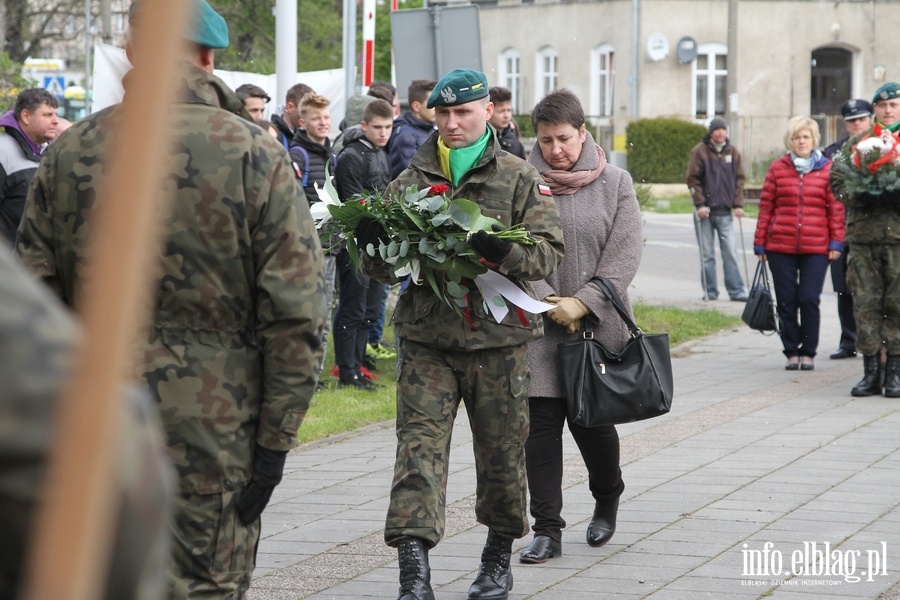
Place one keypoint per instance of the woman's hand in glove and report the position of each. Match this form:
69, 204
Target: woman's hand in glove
568, 312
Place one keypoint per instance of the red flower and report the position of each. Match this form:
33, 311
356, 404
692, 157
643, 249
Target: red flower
437, 190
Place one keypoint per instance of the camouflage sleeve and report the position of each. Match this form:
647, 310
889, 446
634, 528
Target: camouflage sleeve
538, 213
290, 306
34, 240
37, 343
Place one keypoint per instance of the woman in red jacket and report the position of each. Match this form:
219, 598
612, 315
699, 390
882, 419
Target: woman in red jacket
800, 229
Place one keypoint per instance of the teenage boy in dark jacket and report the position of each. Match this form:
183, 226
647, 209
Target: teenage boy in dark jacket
362, 167
413, 127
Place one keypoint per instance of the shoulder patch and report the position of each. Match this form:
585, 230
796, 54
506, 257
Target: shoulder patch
544, 190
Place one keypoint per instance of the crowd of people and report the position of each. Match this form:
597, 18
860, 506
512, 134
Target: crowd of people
245, 288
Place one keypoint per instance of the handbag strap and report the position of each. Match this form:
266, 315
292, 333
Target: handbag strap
610, 292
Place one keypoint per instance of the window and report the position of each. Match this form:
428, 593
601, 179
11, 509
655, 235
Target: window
510, 78
710, 71
603, 75
546, 75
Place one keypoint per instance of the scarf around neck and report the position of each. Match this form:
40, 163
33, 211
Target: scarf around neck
805, 165
456, 162
569, 182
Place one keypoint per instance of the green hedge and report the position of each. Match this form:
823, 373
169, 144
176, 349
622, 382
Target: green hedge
658, 149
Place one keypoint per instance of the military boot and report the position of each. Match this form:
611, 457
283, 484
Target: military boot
870, 384
415, 574
494, 580
892, 376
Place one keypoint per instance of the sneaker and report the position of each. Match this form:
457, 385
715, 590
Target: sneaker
366, 373
356, 381
381, 350
740, 298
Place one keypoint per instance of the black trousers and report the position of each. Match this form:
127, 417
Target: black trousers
599, 448
351, 328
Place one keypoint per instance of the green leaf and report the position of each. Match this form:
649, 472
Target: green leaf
440, 219
392, 248
413, 215
404, 247
467, 215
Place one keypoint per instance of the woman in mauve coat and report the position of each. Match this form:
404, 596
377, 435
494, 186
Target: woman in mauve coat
800, 229
601, 222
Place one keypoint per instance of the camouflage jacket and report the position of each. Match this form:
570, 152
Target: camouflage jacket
506, 188
239, 303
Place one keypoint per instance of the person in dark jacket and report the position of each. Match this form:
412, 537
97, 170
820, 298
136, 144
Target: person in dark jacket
715, 176
28, 126
857, 115
362, 167
310, 153
311, 149
800, 228
289, 121
413, 127
501, 120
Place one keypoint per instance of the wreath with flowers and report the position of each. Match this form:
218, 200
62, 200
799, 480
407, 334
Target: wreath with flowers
870, 162
427, 231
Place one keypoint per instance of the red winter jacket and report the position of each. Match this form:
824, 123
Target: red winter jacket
798, 214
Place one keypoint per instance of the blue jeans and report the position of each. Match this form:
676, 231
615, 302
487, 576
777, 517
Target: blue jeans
706, 230
798, 281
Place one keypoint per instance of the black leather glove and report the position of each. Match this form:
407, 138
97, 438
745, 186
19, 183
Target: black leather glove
369, 231
489, 246
268, 465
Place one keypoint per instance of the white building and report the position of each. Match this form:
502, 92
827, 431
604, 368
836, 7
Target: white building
620, 57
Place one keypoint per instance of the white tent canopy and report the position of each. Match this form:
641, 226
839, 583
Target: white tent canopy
110, 65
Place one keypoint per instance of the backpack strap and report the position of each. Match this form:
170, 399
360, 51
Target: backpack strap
302, 173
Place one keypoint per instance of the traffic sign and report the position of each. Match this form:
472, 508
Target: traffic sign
56, 85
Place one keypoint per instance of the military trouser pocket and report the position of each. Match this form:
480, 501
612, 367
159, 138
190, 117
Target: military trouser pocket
213, 550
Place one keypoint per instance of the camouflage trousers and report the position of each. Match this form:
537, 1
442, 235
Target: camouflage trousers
873, 276
214, 553
493, 384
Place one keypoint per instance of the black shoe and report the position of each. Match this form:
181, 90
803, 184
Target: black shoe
843, 353
541, 549
356, 381
807, 363
871, 383
603, 523
494, 580
415, 573
739, 298
793, 364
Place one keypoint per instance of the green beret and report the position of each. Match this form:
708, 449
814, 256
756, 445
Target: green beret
459, 86
209, 30
888, 91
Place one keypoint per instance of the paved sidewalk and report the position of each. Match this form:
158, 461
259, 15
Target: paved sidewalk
754, 464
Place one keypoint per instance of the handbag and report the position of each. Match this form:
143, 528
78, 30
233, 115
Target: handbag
760, 312
606, 388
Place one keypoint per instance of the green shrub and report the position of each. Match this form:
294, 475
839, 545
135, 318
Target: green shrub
644, 195
658, 149
523, 123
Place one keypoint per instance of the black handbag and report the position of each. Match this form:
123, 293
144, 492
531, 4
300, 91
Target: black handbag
760, 312
605, 388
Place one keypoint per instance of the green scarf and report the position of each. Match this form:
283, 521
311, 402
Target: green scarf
456, 162
892, 128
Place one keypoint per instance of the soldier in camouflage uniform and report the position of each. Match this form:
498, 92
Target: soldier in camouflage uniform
37, 344
444, 358
873, 266
239, 305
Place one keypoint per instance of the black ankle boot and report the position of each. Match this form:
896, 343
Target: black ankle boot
494, 580
892, 376
603, 523
870, 384
415, 574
